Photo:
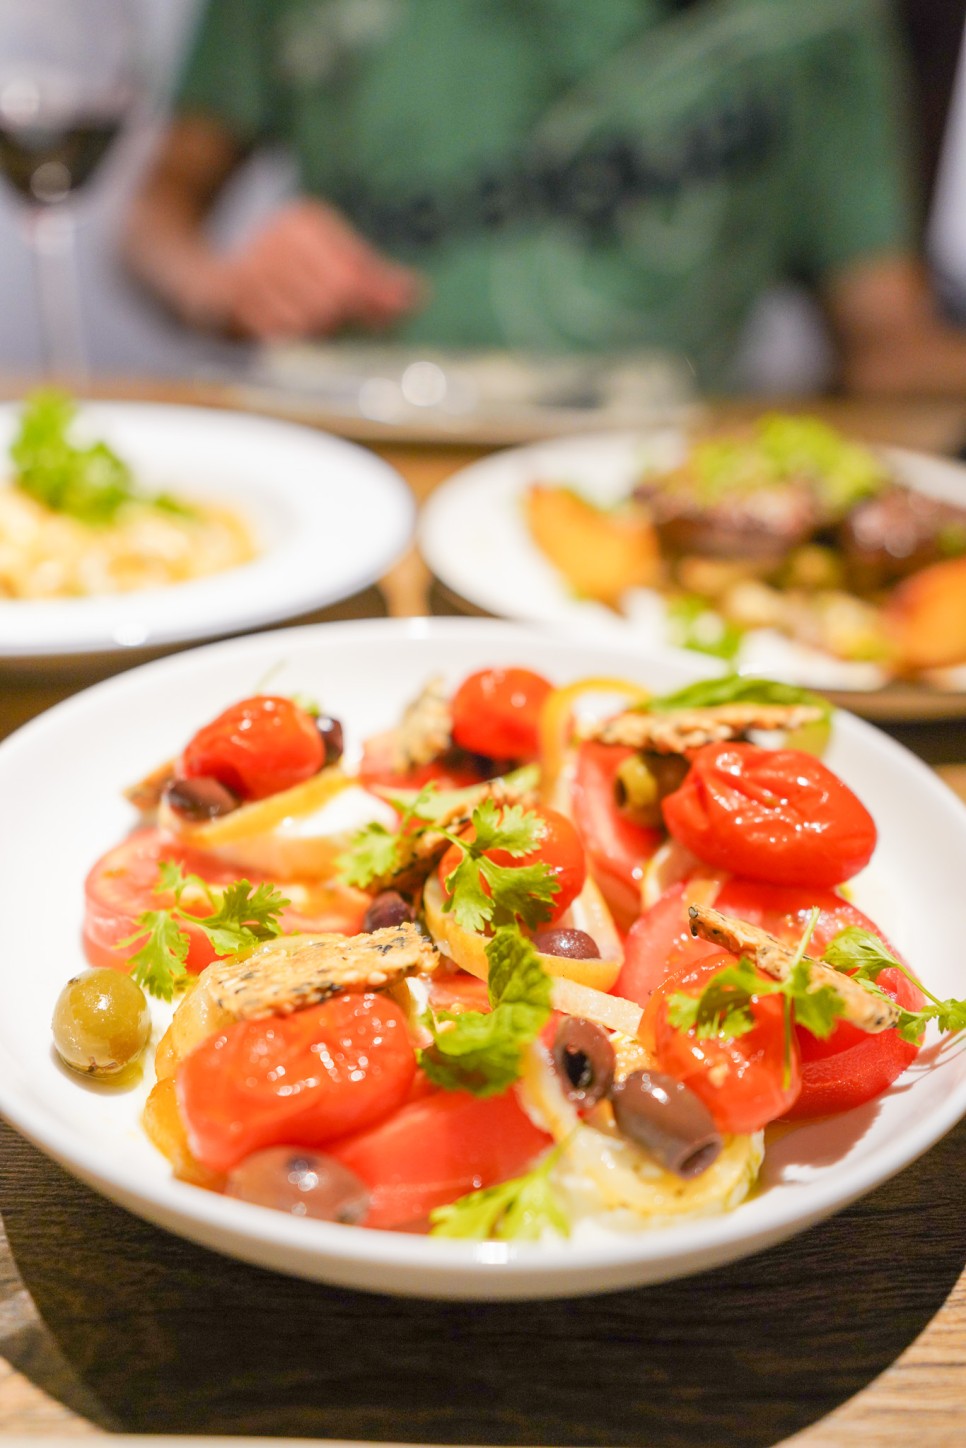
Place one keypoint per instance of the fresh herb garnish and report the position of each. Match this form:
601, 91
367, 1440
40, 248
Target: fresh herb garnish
90, 483
376, 851
734, 689
479, 1051
482, 892
865, 957
723, 1007
243, 916
695, 624
521, 1209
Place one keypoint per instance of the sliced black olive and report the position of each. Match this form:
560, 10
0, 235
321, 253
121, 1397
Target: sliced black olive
200, 799
389, 908
304, 1183
332, 738
574, 944
668, 1120
584, 1060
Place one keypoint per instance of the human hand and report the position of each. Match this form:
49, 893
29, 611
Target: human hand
308, 273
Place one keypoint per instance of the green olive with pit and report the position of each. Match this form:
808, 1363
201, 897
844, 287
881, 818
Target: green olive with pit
101, 1022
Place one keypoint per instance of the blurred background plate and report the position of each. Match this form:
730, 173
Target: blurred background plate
329, 518
475, 397
474, 537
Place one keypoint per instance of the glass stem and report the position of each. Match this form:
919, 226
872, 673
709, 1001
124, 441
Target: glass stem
52, 242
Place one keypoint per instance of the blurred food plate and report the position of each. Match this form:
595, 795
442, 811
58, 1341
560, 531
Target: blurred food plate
490, 397
327, 518
475, 535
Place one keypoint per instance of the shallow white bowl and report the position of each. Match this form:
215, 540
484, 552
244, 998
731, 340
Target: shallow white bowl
329, 519
60, 779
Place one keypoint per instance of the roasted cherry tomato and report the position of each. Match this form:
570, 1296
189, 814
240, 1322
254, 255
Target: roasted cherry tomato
121, 887
436, 1149
617, 848
298, 1080
452, 771
256, 748
745, 1081
777, 815
496, 712
559, 849
848, 1068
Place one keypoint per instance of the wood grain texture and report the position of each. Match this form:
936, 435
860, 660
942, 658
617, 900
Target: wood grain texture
852, 1334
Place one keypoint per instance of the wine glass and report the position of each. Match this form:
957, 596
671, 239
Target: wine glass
68, 82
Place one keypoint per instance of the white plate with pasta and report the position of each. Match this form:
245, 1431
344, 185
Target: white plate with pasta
130, 528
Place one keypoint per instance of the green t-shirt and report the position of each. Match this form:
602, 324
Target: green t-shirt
579, 174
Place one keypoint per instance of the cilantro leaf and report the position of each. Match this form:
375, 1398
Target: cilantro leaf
521, 1209
159, 965
514, 892
375, 851
245, 915
864, 956
724, 1007
478, 1051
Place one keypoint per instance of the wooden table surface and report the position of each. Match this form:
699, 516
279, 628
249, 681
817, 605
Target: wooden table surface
852, 1333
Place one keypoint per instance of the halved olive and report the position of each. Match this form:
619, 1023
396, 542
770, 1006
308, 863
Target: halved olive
668, 1120
303, 1183
572, 944
584, 1060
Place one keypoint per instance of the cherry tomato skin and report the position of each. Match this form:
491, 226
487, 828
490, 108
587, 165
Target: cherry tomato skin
257, 748
659, 944
745, 1081
850, 1066
496, 712
437, 1149
617, 848
559, 849
120, 887
299, 1080
377, 768
777, 815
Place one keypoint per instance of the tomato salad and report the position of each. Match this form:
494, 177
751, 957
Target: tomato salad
548, 956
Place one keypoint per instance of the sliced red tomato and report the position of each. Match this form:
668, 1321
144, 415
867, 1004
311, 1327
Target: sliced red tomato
845, 1070
617, 848
559, 849
777, 815
452, 771
257, 748
120, 888
437, 1149
496, 712
745, 1081
299, 1080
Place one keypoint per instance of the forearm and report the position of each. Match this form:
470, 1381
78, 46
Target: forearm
892, 341
164, 241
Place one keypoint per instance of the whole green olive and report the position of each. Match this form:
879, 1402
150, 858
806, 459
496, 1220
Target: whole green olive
101, 1022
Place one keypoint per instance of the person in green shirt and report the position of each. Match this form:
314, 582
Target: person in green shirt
557, 175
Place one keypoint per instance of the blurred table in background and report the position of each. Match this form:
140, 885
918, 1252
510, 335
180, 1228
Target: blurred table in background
853, 1333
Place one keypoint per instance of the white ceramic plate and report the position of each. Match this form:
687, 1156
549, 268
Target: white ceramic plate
473, 535
329, 516
60, 779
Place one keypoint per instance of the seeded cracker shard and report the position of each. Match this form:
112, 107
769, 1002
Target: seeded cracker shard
294, 972
868, 1011
425, 730
684, 729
